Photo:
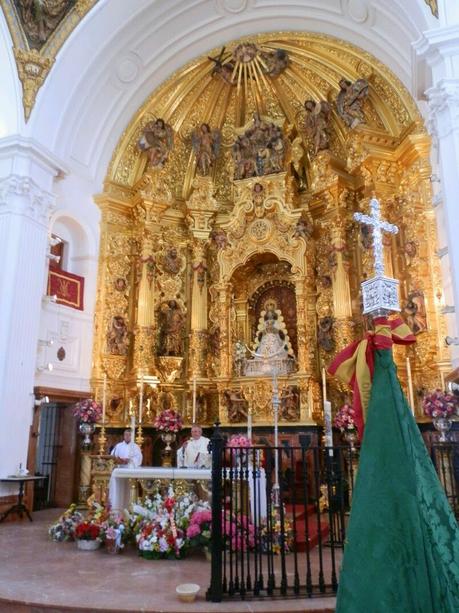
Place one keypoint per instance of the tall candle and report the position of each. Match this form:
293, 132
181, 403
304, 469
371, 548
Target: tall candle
328, 424
194, 400
141, 400
324, 385
442, 376
249, 424
104, 398
132, 428
410, 384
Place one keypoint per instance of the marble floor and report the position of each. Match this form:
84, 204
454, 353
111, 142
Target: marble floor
37, 575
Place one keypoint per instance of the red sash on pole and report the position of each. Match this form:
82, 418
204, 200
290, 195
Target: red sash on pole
354, 365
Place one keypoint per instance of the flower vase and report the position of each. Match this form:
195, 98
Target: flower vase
86, 430
443, 425
168, 438
350, 437
112, 546
85, 545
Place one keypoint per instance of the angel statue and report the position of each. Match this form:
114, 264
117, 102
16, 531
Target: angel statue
157, 140
206, 146
349, 101
316, 123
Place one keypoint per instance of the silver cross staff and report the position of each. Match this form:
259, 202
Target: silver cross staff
378, 226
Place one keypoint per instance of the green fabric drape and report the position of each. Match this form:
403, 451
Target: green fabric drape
402, 543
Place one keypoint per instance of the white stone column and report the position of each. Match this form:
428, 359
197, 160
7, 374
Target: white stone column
26, 202
440, 49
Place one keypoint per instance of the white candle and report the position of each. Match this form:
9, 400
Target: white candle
410, 384
194, 400
442, 375
141, 400
324, 385
132, 428
249, 424
328, 424
104, 398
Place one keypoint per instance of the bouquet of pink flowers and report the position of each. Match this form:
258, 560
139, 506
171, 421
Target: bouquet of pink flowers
88, 411
169, 421
439, 404
344, 419
239, 532
239, 440
199, 529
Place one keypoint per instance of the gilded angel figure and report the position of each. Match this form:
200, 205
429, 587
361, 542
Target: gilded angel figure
350, 100
157, 140
316, 123
206, 146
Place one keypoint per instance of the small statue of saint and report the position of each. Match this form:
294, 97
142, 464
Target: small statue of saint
171, 329
118, 336
350, 100
317, 122
206, 146
157, 140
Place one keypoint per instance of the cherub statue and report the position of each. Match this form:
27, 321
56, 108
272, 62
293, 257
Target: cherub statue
157, 140
349, 101
118, 336
275, 61
316, 123
415, 312
206, 146
219, 238
172, 261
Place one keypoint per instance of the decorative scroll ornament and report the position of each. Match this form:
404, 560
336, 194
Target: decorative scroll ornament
379, 293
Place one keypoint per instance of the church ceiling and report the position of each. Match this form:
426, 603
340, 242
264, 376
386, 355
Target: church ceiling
39, 28
272, 75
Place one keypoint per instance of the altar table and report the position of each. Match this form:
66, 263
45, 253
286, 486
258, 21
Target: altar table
124, 480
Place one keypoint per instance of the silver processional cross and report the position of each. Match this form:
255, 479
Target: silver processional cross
380, 294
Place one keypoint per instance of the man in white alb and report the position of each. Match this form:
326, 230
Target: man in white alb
123, 452
194, 452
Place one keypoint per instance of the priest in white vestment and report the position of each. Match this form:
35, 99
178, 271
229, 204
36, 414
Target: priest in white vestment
194, 452
123, 453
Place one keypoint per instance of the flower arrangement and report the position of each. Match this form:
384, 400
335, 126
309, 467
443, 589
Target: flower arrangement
160, 524
64, 528
169, 421
199, 530
115, 532
88, 411
282, 534
238, 531
239, 440
439, 404
344, 419
87, 531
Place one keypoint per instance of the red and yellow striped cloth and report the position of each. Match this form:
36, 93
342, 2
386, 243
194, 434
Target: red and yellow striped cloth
354, 365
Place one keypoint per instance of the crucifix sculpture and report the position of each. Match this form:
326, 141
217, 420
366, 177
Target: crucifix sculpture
380, 294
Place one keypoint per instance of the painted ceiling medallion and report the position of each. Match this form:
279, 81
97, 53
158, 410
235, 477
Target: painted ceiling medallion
39, 29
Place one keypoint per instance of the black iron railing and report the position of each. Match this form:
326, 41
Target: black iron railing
278, 533
445, 457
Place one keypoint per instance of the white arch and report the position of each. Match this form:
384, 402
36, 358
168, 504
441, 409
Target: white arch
90, 97
11, 113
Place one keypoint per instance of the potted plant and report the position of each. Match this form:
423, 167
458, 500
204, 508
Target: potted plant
115, 533
344, 421
64, 528
88, 535
440, 407
199, 530
168, 422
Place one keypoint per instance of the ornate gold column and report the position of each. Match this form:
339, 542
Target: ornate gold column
151, 200
342, 305
224, 300
201, 207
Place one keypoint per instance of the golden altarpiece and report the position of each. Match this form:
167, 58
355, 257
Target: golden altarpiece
206, 248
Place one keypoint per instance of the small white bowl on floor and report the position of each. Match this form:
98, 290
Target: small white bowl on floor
187, 592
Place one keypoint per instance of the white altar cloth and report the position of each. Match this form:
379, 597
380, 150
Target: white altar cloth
119, 483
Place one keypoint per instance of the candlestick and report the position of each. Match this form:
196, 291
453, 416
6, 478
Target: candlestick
194, 400
139, 437
442, 376
141, 400
131, 411
104, 398
410, 384
102, 440
132, 427
148, 408
324, 384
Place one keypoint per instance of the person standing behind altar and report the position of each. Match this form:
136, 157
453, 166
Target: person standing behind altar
121, 451
194, 452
